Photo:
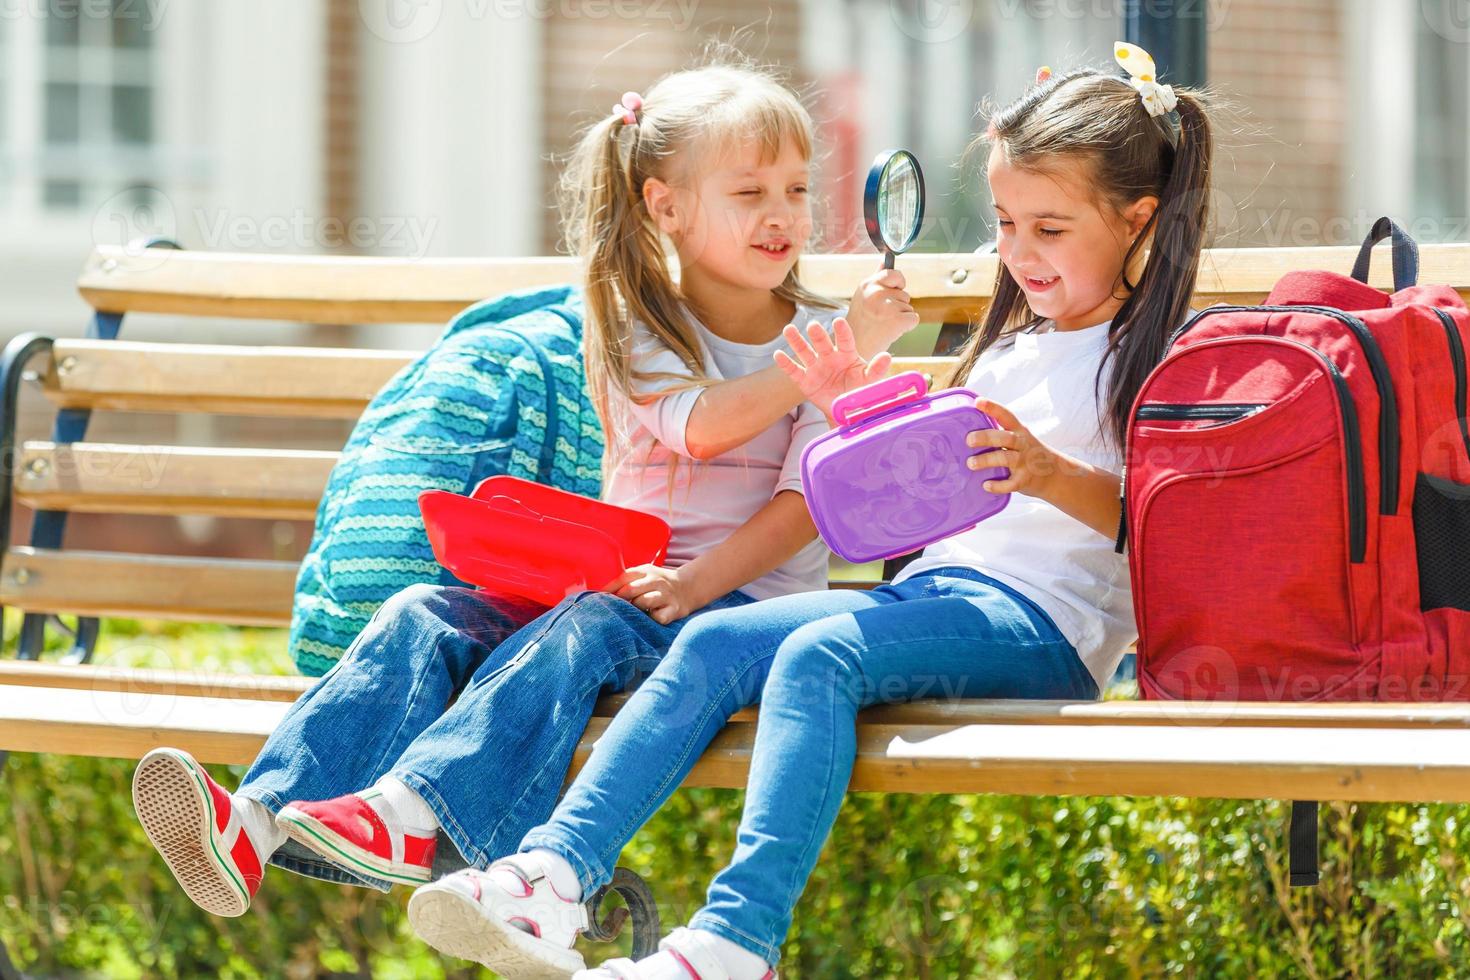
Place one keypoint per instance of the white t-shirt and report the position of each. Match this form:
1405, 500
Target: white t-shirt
710, 499
1068, 569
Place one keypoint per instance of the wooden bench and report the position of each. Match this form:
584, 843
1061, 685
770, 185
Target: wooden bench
1343, 751
1348, 752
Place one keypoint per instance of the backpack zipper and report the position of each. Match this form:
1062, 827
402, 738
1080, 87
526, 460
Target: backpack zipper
1352, 451
1357, 479
1388, 414
1457, 358
1222, 411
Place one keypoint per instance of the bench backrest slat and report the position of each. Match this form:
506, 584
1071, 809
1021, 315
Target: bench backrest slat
104, 583
101, 478
338, 384
300, 382
946, 287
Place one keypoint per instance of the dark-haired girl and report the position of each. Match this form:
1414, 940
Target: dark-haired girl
1100, 186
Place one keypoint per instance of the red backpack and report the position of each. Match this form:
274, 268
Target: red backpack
1297, 495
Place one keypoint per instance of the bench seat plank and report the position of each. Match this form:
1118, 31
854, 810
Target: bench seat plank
1252, 763
1110, 760
261, 687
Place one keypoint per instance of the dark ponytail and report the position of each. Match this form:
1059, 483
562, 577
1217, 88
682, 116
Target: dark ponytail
1159, 302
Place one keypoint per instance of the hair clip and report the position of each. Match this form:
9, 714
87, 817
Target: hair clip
628, 108
1139, 64
1043, 73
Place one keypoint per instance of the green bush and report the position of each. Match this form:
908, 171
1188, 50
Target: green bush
908, 886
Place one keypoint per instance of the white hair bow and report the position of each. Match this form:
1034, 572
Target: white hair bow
1139, 64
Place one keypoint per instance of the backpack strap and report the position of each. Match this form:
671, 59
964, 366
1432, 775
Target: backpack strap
1405, 254
1303, 846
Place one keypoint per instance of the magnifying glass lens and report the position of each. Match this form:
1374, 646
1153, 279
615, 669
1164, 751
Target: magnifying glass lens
893, 202
899, 204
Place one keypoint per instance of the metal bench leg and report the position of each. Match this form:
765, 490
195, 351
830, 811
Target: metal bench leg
1303, 843
18, 353
49, 527
641, 909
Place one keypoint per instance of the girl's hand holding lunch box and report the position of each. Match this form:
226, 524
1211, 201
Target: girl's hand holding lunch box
826, 368
1078, 489
1032, 462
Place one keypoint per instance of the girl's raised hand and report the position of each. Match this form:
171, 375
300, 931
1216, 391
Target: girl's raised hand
825, 367
1032, 463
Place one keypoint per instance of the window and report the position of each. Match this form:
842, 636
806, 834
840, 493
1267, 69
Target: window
7, 152
1441, 176
97, 99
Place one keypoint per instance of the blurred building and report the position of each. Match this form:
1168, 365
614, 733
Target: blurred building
431, 127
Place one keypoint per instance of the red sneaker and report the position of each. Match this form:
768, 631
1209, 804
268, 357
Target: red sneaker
190, 819
349, 832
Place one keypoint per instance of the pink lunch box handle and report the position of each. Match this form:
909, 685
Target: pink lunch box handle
900, 389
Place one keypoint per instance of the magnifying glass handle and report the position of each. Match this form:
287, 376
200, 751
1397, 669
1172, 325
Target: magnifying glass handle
888, 258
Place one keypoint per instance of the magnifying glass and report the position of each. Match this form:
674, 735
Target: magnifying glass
893, 203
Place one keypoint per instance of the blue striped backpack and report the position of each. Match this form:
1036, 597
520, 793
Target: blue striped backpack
501, 391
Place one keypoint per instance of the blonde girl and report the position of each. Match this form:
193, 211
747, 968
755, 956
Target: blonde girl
374, 762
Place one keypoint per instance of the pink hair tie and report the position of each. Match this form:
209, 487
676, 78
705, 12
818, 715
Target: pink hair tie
628, 108
1043, 73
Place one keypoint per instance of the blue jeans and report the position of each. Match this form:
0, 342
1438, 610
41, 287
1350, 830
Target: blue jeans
812, 660
491, 763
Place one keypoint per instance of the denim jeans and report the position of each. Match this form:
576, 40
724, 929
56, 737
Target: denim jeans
812, 660
491, 763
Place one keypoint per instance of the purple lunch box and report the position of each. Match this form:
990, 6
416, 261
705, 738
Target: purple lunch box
892, 477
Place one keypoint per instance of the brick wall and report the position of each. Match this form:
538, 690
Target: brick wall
593, 55
340, 146
1280, 160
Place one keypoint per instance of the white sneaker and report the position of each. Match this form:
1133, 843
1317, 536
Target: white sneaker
693, 952
508, 917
